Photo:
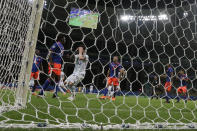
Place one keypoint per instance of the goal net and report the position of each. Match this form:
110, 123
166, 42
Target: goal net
150, 84
19, 30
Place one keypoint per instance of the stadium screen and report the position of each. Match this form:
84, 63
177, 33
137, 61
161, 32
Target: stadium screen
83, 18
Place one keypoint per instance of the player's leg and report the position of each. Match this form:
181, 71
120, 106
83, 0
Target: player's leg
110, 90
72, 88
34, 87
36, 78
47, 82
116, 88
66, 87
153, 94
32, 81
161, 91
62, 87
179, 91
45, 86
186, 97
78, 78
57, 79
168, 89
56, 72
105, 91
70, 83
185, 93
156, 92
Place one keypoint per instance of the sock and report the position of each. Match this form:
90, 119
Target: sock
31, 83
178, 99
73, 88
68, 87
105, 91
115, 91
61, 89
110, 91
114, 94
185, 97
56, 89
167, 99
33, 88
45, 85
73, 91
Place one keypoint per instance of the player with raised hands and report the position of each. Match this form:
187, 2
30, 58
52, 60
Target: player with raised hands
81, 61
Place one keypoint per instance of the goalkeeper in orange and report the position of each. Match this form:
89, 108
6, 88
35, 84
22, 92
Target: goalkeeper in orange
114, 75
182, 90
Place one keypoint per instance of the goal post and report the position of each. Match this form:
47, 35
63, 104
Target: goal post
27, 60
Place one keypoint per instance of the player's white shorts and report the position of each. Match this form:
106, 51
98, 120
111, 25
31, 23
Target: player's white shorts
75, 78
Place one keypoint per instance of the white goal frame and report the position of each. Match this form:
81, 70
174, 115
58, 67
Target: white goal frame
27, 60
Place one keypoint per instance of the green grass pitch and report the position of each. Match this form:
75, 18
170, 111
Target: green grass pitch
88, 108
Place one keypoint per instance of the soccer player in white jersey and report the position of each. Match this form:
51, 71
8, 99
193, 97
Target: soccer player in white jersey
81, 61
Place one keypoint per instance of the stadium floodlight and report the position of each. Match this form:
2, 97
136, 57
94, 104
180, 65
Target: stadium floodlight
185, 14
125, 18
163, 17
147, 18
144, 18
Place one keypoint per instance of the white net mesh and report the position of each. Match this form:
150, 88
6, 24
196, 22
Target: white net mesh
156, 45
15, 21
